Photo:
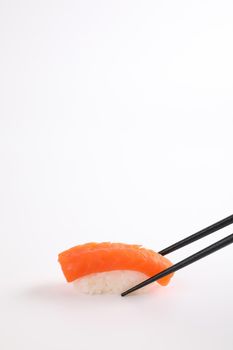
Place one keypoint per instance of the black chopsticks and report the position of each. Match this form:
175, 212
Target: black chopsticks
198, 235
191, 259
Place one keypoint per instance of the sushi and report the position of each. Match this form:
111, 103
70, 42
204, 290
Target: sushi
106, 267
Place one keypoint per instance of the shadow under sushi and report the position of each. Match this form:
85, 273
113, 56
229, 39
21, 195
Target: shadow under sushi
55, 291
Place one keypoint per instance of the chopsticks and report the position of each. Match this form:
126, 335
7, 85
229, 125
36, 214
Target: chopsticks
191, 259
198, 235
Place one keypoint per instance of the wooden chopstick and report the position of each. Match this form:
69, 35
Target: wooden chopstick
191, 259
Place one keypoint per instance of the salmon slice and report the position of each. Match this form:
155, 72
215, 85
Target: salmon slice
90, 258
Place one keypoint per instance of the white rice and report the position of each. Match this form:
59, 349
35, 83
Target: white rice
112, 282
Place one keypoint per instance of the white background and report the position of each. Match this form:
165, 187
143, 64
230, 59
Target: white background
116, 124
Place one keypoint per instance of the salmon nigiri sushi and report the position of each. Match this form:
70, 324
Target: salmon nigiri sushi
106, 267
